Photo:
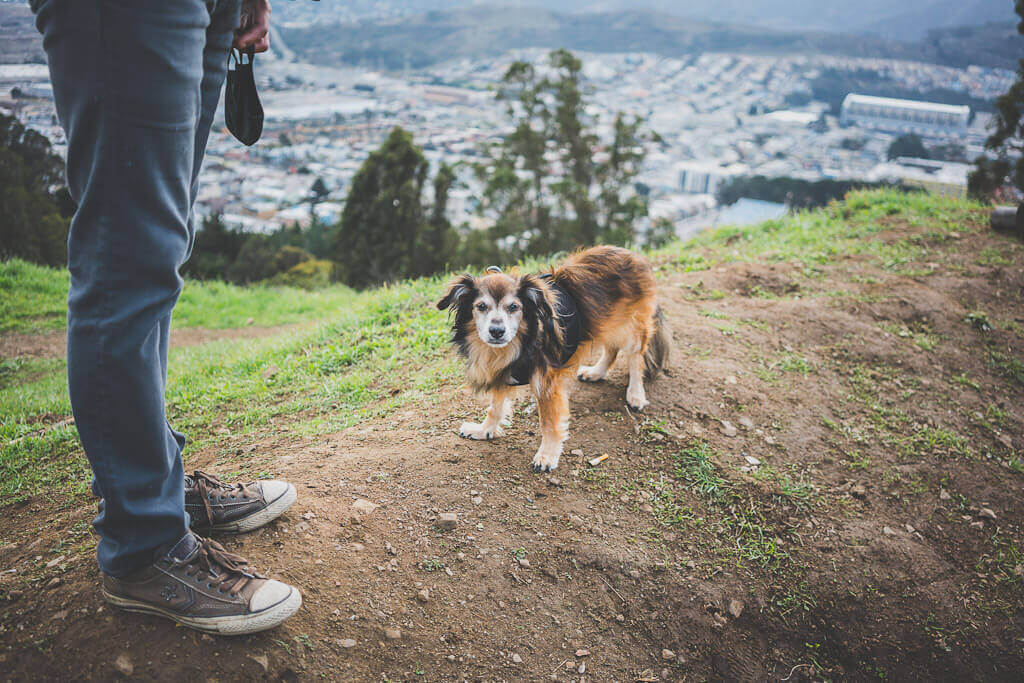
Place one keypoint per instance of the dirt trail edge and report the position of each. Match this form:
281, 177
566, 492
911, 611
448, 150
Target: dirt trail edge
824, 487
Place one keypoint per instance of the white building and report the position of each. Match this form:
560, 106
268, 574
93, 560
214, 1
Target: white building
928, 119
697, 177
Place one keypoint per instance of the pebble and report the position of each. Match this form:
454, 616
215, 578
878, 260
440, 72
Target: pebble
392, 633
476, 500
727, 428
577, 452
731, 379
523, 562
261, 660
364, 507
888, 531
735, 608
770, 440
986, 513
358, 547
751, 460
423, 595
448, 520
54, 582
859, 491
697, 430
554, 481
978, 525
123, 663
746, 422
944, 495
668, 655
347, 643
516, 659
582, 653
54, 562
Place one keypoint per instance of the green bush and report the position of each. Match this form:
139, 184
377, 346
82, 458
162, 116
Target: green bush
310, 274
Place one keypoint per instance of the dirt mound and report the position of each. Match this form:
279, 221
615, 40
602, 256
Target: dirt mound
828, 485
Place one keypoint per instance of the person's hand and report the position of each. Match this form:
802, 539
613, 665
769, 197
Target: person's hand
254, 27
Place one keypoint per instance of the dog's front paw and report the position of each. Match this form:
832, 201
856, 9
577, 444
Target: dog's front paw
546, 460
637, 400
590, 373
478, 431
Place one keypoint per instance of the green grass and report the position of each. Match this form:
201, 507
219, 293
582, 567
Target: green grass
34, 299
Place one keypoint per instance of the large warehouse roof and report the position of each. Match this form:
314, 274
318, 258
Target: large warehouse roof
854, 98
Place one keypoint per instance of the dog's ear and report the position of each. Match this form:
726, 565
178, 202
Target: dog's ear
536, 296
460, 286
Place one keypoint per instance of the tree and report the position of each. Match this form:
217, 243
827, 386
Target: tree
34, 206
438, 239
909, 145
215, 250
383, 215
991, 174
319, 191
551, 184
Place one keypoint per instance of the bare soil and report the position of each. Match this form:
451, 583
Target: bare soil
861, 548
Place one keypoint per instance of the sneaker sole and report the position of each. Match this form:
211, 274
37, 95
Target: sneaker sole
235, 625
272, 511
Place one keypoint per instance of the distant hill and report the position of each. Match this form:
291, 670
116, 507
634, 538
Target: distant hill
420, 40
901, 20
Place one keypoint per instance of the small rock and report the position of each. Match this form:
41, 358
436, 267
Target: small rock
770, 440
448, 520
986, 513
123, 663
751, 460
523, 562
728, 429
54, 562
261, 660
647, 507
731, 379
347, 643
582, 653
944, 495
60, 616
516, 659
888, 531
697, 430
577, 452
735, 608
54, 582
910, 529
476, 500
1006, 441
746, 422
269, 372
1019, 570
554, 481
423, 595
364, 507
358, 547
668, 655
859, 491
392, 633
978, 525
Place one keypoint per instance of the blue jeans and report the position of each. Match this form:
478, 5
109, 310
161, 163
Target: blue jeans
136, 84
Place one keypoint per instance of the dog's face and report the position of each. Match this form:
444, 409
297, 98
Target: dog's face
499, 308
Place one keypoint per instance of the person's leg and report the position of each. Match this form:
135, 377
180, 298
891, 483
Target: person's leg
126, 78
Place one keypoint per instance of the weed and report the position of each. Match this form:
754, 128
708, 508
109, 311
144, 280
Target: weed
978, 320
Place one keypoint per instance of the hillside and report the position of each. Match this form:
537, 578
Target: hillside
480, 31
908, 20
868, 356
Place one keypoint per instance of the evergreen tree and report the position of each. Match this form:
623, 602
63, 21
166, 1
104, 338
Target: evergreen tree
438, 239
33, 211
1007, 166
383, 215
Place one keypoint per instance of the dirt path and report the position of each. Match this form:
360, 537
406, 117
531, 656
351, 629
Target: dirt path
54, 344
879, 535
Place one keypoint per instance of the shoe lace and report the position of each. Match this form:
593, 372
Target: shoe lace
206, 484
220, 568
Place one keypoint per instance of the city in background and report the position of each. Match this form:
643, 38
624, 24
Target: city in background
714, 114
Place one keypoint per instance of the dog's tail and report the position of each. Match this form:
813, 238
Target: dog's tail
659, 346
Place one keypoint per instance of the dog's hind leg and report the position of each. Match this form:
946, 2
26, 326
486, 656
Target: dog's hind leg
636, 395
553, 406
598, 371
490, 428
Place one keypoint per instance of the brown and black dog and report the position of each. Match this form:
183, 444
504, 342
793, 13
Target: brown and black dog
535, 330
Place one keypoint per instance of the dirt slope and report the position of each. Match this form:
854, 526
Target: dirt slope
879, 537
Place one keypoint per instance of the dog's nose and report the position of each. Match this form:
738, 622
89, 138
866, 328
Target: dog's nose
497, 331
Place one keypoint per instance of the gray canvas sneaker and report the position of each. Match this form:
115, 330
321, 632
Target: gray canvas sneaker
216, 506
201, 585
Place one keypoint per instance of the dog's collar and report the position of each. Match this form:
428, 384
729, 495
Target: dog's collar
567, 314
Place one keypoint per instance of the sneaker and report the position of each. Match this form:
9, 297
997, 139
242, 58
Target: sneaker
201, 585
215, 506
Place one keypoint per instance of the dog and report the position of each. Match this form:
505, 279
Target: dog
525, 329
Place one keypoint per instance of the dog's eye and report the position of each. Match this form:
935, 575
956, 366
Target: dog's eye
512, 308
481, 307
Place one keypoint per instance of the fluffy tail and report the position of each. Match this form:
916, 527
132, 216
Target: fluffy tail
659, 346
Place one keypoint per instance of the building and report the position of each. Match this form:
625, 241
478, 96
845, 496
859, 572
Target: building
928, 119
697, 177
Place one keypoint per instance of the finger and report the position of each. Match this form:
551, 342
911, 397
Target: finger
263, 44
